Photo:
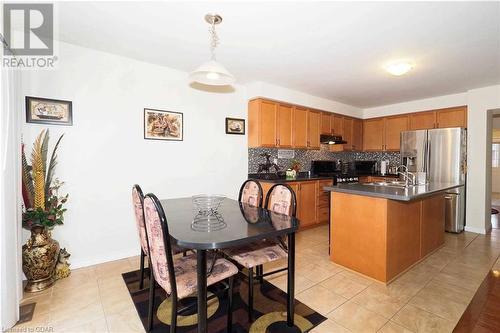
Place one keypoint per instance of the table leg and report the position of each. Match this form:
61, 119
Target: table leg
201, 258
291, 280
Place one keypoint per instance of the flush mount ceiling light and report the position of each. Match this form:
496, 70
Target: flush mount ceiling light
399, 68
211, 72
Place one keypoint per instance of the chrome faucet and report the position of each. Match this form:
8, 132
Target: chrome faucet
406, 174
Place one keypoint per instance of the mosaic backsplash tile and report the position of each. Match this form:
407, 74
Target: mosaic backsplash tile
305, 157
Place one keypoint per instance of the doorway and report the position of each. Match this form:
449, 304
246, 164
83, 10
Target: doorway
495, 170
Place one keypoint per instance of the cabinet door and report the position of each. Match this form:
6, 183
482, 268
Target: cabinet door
307, 203
326, 126
452, 117
432, 224
357, 135
423, 120
313, 123
299, 127
268, 123
373, 134
393, 128
323, 213
347, 136
285, 114
337, 124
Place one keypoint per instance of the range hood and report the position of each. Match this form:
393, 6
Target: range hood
331, 139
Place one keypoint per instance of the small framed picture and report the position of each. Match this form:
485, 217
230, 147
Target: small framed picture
163, 125
235, 126
48, 111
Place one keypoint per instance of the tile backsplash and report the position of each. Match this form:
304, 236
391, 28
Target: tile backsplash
305, 157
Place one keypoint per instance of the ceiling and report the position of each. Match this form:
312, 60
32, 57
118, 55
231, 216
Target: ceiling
334, 50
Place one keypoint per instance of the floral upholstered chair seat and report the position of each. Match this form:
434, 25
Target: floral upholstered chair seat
257, 253
185, 274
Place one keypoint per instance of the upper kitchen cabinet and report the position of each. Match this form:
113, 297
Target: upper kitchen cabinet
313, 131
357, 134
326, 126
285, 116
262, 123
300, 127
423, 120
393, 128
452, 117
337, 124
373, 134
347, 133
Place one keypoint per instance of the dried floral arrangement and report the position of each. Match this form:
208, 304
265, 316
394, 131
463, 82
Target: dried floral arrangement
43, 206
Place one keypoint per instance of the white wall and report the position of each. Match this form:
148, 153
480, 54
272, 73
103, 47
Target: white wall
417, 105
264, 89
479, 101
103, 154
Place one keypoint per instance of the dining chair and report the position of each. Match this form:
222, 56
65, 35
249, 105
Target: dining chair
178, 278
251, 193
138, 202
280, 199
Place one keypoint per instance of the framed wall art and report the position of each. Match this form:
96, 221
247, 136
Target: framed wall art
48, 111
163, 125
235, 126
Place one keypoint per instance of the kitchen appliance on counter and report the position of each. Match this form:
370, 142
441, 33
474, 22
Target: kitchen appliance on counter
361, 168
440, 155
334, 170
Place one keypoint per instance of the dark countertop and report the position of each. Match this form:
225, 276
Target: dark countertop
272, 178
393, 193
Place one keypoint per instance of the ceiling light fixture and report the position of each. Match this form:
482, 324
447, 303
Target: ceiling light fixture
399, 68
211, 72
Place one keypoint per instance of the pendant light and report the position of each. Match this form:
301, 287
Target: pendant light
211, 72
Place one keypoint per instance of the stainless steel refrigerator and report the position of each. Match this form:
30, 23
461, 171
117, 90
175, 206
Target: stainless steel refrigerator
442, 155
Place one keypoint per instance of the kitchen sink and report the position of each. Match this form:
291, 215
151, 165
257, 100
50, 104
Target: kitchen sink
398, 184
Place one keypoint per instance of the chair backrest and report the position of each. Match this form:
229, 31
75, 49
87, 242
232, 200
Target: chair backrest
160, 250
281, 199
251, 193
138, 202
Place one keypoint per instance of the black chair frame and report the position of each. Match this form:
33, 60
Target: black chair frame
228, 287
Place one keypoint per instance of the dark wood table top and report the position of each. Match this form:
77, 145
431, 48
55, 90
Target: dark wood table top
235, 224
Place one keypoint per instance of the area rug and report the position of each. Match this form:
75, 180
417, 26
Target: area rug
269, 309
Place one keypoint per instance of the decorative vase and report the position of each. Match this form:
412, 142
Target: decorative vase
40, 255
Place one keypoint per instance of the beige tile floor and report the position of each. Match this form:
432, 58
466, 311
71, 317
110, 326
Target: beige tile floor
428, 298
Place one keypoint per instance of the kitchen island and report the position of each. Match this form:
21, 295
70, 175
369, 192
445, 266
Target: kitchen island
381, 231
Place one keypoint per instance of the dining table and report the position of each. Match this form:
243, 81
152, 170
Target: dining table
232, 224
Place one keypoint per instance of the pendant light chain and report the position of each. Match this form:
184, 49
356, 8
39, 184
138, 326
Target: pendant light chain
214, 39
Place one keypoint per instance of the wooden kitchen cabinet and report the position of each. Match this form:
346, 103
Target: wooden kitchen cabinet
299, 135
284, 120
357, 135
262, 116
307, 203
452, 117
326, 126
373, 134
337, 124
392, 129
347, 133
313, 130
323, 210
423, 120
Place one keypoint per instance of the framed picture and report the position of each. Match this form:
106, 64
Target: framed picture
163, 125
48, 111
235, 126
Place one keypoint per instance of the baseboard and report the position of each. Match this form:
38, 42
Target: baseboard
476, 230
105, 258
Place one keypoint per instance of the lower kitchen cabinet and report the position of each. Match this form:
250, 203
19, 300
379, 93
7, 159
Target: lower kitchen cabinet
313, 204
